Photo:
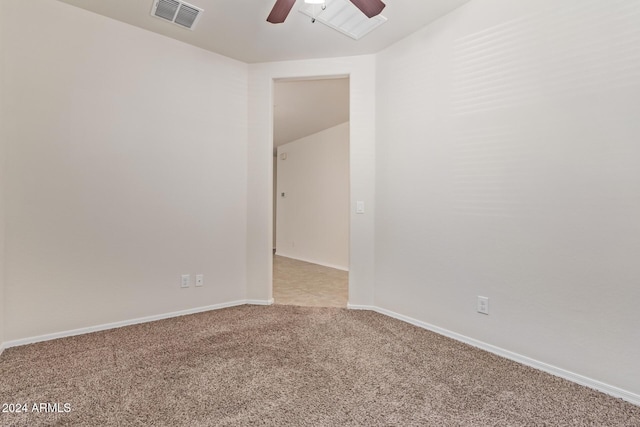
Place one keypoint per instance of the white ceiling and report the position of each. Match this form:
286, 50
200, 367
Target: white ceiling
305, 107
238, 28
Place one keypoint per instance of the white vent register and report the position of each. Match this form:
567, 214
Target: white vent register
184, 14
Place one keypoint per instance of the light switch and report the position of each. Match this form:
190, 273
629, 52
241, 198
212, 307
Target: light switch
359, 207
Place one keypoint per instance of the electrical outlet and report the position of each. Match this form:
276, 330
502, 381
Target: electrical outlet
185, 281
199, 280
483, 305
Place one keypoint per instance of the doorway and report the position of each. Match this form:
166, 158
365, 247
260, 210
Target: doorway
311, 192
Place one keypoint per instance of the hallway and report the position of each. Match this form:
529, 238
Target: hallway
302, 283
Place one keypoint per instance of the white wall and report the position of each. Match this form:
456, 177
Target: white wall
2, 178
509, 167
313, 217
361, 70
118, 179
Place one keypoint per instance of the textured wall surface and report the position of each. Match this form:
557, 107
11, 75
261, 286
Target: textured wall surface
2, 177
313, 216
126, 167
509, 167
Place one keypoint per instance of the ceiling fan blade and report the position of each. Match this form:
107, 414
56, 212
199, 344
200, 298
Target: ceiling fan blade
370, 8
280, 11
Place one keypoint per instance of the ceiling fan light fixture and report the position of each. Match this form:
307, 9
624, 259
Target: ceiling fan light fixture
345, 17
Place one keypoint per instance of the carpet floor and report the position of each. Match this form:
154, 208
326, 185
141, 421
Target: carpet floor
287, 366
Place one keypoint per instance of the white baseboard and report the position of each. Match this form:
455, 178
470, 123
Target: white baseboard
259, 302
553, 370
312, 261
80, 331
361, 307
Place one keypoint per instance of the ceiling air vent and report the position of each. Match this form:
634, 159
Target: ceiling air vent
184, 14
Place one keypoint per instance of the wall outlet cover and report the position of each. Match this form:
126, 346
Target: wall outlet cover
184, 281
483, 305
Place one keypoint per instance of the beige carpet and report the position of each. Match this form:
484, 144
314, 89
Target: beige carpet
302, 283
289, 366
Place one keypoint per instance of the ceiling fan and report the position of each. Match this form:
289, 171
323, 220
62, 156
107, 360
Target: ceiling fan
282, 8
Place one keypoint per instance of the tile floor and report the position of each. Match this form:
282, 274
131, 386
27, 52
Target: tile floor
302, 283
